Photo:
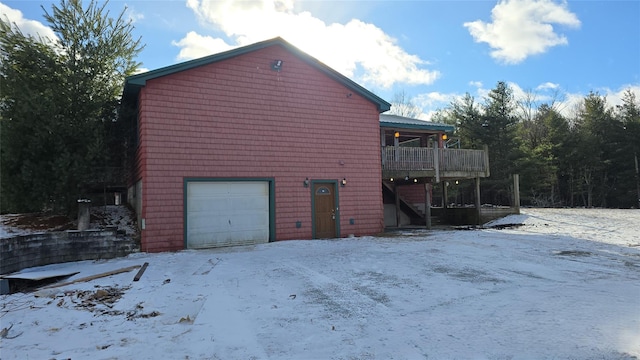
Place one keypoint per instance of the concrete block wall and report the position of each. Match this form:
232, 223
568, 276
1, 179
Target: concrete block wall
40, 249
488, 214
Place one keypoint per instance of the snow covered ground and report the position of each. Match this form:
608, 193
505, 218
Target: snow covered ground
565, 285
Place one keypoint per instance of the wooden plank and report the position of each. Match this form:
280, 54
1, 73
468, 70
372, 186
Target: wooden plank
40, 275
141, 271
93, 277
427, 204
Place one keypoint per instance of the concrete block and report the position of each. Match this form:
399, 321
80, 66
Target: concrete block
4, 286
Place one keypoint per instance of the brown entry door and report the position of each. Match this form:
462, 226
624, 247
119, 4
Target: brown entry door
324, 210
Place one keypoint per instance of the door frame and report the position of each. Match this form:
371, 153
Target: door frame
313, 206
272, 201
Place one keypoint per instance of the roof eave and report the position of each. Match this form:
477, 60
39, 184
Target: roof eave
135, 82
430, 127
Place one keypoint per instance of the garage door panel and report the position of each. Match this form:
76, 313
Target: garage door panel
248, 203
203, 189
203, 221
253, 188
238, 224
227, 213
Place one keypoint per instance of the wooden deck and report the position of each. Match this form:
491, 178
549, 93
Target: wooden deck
434, 162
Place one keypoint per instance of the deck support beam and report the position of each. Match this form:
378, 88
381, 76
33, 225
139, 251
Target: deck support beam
427, 204
477, 193
397, 199
445, 194
516, 192
436, 161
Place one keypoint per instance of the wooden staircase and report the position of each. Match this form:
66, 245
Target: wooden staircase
416, 216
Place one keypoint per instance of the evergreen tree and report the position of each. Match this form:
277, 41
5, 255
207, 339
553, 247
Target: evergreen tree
628, 114
595, 131
587, 160
556, 146
542, 140
465, 115
500, 125
66, 149
30, 132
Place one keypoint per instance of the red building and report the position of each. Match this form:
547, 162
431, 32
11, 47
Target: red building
257, 144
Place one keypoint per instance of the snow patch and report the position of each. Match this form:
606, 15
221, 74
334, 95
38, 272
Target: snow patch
118, 216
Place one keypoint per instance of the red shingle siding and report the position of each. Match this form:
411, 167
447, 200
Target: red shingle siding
414, 193
237, 118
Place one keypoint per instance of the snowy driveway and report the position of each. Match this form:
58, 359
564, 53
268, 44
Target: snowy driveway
566, 285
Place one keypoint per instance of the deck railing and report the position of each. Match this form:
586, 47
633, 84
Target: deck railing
422, 158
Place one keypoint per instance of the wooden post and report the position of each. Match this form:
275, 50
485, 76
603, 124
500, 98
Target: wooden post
141, 271
487, 172
84, 215
397, 196
478, 200
445, 194
516, 192
383, 144
436, 160
427, 204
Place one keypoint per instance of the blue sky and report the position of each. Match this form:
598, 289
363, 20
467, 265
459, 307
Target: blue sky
434, 51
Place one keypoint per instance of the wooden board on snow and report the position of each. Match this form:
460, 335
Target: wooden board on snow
40, 275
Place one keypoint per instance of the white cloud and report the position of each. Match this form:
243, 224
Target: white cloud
141, 70
521, 28
548, 86
614, 96
433, 100
567, 103
28, 27
477, 84
195, 46
430, 102
570, 103
356, 49
133, 15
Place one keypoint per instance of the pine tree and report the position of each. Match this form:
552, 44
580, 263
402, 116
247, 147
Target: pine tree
72, 110
500, 125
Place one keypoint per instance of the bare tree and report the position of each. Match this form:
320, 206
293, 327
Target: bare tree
402, 105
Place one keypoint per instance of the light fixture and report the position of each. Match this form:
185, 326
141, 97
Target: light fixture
343, 182
306, 182
276, 65
396, 134
415, 180
391, 179
444, 137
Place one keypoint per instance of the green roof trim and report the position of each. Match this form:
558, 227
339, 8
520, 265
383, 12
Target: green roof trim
401, 122
133, 83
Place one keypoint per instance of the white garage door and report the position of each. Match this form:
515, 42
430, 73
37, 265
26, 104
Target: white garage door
221, 213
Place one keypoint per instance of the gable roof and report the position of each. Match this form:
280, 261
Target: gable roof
133, 83
401, 122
